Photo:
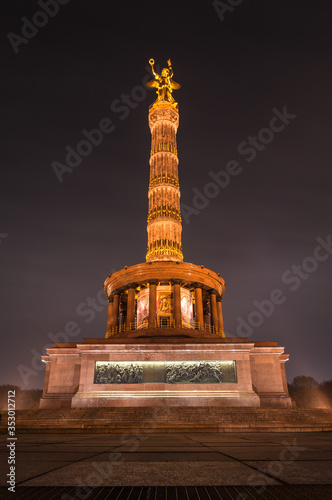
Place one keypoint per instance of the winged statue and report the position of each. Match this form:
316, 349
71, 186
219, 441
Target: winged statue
163, 83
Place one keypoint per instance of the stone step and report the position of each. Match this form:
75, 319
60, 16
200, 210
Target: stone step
172, 419
185, 410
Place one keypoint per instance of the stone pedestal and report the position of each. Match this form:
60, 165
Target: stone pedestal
158, 367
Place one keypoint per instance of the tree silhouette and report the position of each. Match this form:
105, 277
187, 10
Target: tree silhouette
308, 393
24, 398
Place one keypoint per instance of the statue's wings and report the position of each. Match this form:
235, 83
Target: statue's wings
174, 85
152, 84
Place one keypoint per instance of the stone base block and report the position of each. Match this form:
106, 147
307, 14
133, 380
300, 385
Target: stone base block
57, 401
275, 401
168, 370
166, 399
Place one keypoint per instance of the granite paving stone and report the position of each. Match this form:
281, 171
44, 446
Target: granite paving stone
153, 474
171, 459
205, 456
61, 456
26, 470
300, 472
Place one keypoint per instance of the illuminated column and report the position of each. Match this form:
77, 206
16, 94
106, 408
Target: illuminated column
109, 314
177, 302
164, 218
206, 309
152, 303
116, 309
214, 312
130, 307
220, 317
199, 318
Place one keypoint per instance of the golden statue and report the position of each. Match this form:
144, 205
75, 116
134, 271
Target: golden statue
164, 83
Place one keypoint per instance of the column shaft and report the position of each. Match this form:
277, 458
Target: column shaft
177, 304
164, 216
130, 308
220, 317
214, 313
116, 308
199, 318
109, 314
152, 304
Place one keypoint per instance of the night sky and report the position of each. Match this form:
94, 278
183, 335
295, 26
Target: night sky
60, 240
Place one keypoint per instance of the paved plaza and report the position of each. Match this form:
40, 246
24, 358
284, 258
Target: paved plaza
173, 460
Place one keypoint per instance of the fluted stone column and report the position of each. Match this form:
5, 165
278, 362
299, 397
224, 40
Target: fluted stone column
177, 302
214, 312
109, 314
152, 303
199, 317
130, 307
220, 317
116, 309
